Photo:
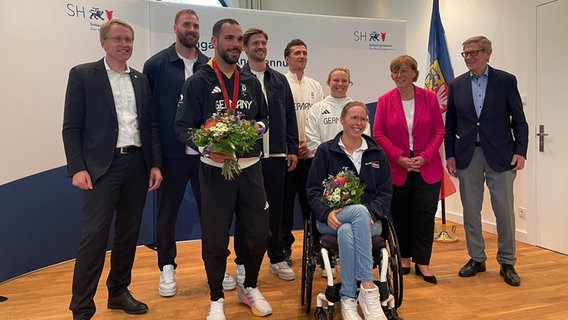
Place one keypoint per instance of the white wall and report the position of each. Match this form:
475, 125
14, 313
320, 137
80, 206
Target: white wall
510, 26
327, 7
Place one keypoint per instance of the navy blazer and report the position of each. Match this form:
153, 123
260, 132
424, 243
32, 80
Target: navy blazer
166, 74
281, 112
90, 125
502, 127
375, 173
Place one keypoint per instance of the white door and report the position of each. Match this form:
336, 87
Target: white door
552, 115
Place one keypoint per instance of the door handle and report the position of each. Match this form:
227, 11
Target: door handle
541, 134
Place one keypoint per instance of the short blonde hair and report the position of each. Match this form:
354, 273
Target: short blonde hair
482, 41
397, 62
342, 70
353, 104
105, 28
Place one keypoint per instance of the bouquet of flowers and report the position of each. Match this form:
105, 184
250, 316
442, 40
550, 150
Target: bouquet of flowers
229, 134
343, 189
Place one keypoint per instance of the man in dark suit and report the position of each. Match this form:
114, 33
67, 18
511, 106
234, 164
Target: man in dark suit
486, 139
111, 140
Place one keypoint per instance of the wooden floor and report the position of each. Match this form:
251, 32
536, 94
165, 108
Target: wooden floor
543, 293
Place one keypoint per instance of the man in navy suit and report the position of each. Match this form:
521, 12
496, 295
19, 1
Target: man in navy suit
111, 139
486, 139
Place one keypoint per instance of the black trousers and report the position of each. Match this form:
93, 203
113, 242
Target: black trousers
296, 181
122, 190
413, 209
245, 197
176, 174
274, 175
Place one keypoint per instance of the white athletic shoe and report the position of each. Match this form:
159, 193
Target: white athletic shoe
370, 301
241, 274
349, 309
255, 300
228, 282
167, 286
283, 270
216, 310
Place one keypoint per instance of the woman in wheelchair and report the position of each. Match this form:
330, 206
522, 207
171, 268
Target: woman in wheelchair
354, 225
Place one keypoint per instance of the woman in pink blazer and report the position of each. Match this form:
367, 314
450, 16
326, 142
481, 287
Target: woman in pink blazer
409, 127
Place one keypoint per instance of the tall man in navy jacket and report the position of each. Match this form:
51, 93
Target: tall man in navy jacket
167, 71
110, 134
486, 139
280, 151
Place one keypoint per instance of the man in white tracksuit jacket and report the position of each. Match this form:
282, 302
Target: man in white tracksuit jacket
306, 91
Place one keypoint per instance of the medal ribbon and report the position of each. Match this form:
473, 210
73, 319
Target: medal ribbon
231, 105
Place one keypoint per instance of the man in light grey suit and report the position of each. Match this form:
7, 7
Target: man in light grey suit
486, 139
111, 139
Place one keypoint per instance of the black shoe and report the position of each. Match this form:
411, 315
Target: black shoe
430, 279
126, 302
471, 268
510, 275
405, 270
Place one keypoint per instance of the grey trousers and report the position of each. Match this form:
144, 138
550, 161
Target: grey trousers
500, 186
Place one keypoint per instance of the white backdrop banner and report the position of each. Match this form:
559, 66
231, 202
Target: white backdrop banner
42, 40
364, 46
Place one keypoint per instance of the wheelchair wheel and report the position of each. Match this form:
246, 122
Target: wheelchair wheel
308, 266
395, 276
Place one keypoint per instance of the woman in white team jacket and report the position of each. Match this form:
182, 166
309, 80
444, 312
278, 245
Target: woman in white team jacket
323, 119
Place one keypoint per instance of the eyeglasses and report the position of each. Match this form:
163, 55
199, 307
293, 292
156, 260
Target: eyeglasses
128, 40
358, 119
472, 53
401, 71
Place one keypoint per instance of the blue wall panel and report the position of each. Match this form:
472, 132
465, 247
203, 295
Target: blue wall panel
40, 222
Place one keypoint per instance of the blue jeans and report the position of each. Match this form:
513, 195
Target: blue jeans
354, 239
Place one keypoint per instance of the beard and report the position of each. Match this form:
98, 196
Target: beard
258, 56
228, 59
187, 41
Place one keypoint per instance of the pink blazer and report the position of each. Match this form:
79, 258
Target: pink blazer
390, 130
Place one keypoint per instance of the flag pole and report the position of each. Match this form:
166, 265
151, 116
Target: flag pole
445, 236
437, 80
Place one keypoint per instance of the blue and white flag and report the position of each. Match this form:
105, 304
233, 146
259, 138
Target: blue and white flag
441, 72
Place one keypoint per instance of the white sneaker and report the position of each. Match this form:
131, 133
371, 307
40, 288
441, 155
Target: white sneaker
167, 286
216, 310
370, 302
283, 270
228, 282
349, 309
324, 274
254, 299
241, 274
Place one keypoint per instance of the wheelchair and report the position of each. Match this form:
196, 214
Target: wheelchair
323, 250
